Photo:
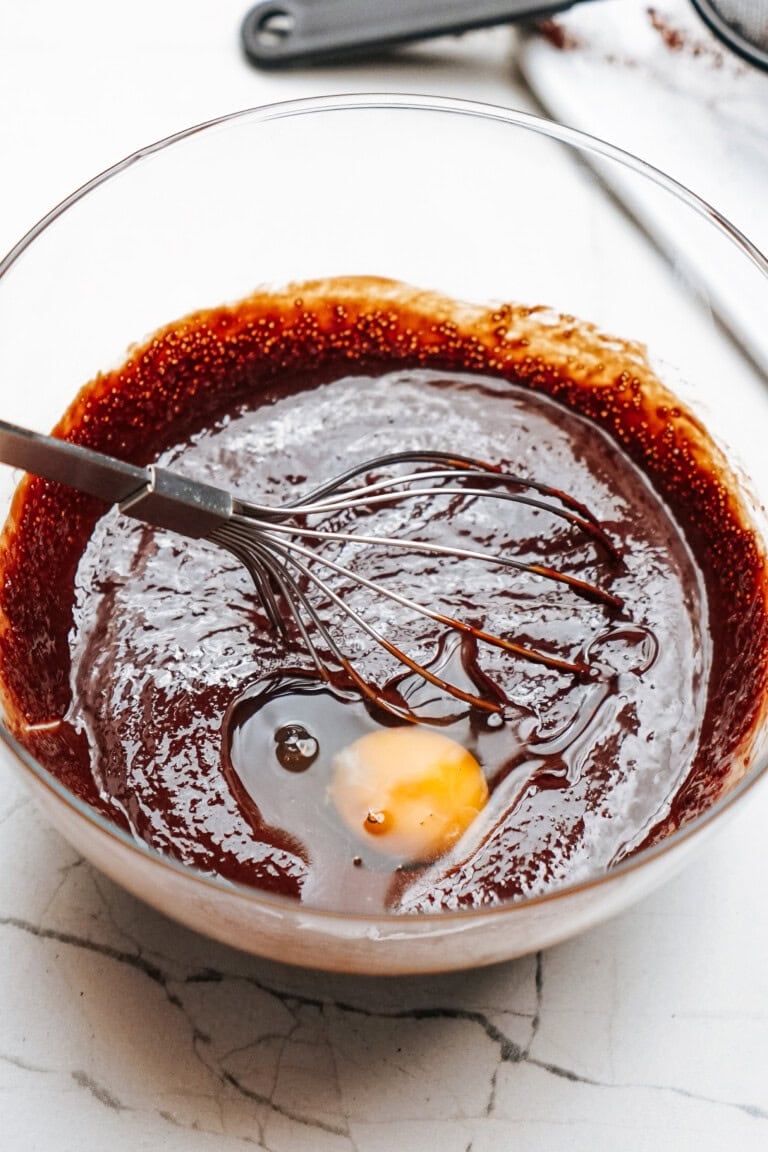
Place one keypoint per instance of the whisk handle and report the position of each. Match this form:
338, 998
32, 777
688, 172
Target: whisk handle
156, 495
168, 500
90, 472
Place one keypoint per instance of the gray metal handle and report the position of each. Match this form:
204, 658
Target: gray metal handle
155, 495
277, 33
98, 475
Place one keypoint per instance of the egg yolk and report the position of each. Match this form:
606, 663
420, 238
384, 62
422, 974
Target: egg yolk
408, 792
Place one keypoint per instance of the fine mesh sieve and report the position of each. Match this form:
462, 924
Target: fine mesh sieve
741, 24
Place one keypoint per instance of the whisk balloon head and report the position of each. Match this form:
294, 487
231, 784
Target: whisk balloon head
306, 557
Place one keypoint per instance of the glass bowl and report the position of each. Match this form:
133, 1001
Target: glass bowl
479, 203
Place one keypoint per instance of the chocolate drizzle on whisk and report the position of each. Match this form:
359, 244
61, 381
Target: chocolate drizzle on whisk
286, 552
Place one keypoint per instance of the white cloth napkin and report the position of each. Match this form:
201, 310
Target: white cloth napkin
656, 82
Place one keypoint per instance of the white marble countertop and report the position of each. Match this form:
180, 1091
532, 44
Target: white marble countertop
119, 1029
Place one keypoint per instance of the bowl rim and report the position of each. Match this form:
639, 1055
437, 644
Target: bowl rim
580, 142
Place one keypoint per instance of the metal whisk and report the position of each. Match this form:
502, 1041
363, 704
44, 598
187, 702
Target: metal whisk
285, 556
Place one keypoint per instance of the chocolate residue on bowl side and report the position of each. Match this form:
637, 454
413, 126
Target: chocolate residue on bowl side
139, 669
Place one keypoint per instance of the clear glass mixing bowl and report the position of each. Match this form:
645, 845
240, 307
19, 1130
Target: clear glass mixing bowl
479, 203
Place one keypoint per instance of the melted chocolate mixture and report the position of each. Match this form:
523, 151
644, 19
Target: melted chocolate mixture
140, 669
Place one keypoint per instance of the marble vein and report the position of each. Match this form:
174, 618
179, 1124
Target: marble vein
102, 1094
22, 1065
509, 1051
64, 872
16, 805
288, 1113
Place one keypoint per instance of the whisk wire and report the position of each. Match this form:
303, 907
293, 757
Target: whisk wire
262, 542
293, 593
368, 496
582, 587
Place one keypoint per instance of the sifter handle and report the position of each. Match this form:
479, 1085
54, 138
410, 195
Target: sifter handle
278, 33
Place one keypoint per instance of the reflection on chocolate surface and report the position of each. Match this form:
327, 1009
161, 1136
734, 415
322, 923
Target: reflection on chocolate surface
139, 668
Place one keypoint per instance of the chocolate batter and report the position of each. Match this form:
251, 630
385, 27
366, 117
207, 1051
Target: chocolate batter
140, 669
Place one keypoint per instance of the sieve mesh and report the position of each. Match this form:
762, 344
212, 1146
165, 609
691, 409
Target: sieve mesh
742, 24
